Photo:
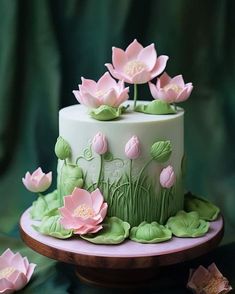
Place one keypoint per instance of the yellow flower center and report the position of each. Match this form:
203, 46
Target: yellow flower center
213, 286
173, 87
134, 67
83, 211
6, 272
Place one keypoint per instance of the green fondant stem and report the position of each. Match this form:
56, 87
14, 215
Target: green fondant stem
135, 95
78, 159
141, 173
100, 172
130, 176
163, 205
60, 184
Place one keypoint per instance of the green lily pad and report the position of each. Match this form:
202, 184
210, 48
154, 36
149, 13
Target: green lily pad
150, 233
206, 210
105, 112
187, 224
114, 231
71, 177
161, 151
155, 107
45, 206
51, 226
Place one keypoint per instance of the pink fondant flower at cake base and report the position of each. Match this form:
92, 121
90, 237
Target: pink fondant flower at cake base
100, 144
38, 181
105, 92
132, 148
171, 90
208, 281
15, 272
167, 177
83, 212
137, 64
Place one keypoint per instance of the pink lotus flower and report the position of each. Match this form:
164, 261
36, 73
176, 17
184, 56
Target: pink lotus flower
132, 148
171, 90
15, 272
100, 144
167, 177
208, 281
83, 211
38, 181
105, 92
136, 65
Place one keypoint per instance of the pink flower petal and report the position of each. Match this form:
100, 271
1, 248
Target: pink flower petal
183, 95
154, 91
30, 271
148, 56
141, 77
81, 196
163, 80
89, 84
159, 66
123, 97
19, 280
89, 100
106, 82
78, 96
69, 204
38, 172
109, 98
119, 59
133, 50
6, 286
97, 200
118, 75
178, 80
103, 210
17, 262
45, 182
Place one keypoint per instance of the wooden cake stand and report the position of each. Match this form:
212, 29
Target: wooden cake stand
119, 265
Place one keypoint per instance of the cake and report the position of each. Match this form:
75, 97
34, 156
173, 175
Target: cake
121, 163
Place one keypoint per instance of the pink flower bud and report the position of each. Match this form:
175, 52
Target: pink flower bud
100, 144
167, 177
132, 148
38, 181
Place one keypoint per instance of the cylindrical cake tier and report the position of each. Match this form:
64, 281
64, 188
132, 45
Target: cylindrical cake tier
131, 187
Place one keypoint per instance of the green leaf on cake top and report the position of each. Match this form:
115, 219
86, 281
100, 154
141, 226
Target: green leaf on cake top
150, 233
45, 206
187, 224
206, 210
62, 149
114, 231
106, 112
156, 107
51, 226
161, 151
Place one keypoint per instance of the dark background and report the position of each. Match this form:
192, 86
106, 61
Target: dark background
45, 48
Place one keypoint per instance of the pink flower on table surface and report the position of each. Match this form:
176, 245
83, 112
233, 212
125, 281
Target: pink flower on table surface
83, 212
171, 90
137, 64
15, 271
38, 181
167, 177
208, 281
132, 148
105, 92
100, 144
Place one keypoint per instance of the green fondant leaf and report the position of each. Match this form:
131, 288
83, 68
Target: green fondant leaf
161, 151
150, 233
105, 112
51, 226
206, 210
114, 231
45, 206
108, 156
187, 224
155, 107
71, 177
62, 149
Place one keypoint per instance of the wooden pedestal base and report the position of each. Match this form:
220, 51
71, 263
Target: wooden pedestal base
123, 265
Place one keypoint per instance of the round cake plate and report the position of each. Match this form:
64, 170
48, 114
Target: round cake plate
126, 264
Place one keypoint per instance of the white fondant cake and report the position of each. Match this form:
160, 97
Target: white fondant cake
144, 203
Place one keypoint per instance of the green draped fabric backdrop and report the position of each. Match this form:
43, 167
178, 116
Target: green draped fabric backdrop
46, 46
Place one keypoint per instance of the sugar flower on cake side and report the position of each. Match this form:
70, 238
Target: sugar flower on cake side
15, 272
83, 212
38, 181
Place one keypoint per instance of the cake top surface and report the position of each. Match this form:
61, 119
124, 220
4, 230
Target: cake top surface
81, 113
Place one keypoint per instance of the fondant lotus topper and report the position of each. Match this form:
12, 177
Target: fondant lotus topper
136, 65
